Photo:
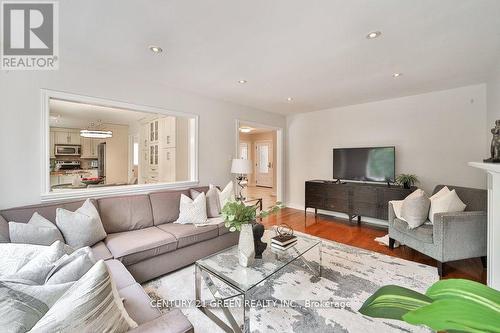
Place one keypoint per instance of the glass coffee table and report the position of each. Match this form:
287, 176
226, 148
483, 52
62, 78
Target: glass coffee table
232, 285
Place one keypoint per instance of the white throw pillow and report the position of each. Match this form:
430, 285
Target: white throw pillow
433, 198
226, 195
446, 203
82, 227
192, 211
38, 231
415, 208
92, 304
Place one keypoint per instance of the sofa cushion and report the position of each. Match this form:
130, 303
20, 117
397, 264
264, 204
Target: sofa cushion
133, 246
165, 205
422, 233
125, 213
188, 234
121, 276
100, 251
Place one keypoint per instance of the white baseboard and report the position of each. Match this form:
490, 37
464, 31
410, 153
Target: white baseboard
369, 220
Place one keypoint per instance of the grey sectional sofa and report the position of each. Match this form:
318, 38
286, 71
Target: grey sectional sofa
142, 243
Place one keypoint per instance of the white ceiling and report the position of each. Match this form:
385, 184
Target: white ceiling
314, 51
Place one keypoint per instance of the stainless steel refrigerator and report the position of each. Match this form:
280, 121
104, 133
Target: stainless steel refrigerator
101, 159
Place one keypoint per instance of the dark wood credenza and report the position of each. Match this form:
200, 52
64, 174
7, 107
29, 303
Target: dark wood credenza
353, 199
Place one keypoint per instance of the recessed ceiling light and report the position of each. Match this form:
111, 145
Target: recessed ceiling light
289, 99
242, 81
397, 75
156, 49
245, 129
373, 34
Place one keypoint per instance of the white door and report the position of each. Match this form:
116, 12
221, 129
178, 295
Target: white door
264, 163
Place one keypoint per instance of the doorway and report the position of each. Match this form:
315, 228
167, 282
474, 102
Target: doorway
262, 146
264, 164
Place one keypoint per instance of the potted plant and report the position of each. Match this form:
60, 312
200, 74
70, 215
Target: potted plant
452, 305
240, 217
407, 180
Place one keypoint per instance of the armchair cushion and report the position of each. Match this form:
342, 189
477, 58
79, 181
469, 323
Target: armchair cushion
423, 233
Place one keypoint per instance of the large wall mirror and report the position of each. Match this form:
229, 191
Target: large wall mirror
96, 148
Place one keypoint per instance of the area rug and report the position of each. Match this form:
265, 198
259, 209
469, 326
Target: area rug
302, 303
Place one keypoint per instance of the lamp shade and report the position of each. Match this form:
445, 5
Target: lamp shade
241, 166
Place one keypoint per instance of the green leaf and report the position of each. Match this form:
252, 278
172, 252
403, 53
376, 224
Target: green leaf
232, 229
393, 302
466, 290
455, 314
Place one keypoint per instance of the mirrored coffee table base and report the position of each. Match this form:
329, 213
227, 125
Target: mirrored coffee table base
231, 286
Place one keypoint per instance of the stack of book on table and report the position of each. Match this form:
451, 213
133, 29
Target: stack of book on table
283, 242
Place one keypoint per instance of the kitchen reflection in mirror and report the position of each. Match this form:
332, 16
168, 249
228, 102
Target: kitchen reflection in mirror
94, 146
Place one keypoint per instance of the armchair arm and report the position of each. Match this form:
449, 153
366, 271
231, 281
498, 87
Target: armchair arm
391, 215
461, 235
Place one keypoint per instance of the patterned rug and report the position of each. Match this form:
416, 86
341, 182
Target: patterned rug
295, 301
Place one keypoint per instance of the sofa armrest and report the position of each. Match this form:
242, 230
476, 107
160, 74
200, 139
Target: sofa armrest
173, 321
391, 215
4, 230
461, 235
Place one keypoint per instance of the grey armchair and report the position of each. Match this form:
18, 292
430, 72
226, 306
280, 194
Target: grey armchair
453, 236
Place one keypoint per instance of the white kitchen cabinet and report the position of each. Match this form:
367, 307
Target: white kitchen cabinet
86, 148
157, 141
66, 136
167, 132
89, 147
166, 172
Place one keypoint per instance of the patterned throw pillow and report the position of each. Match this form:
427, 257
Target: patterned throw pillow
38, 231
192, 211
92, 304
213, 204
82, 227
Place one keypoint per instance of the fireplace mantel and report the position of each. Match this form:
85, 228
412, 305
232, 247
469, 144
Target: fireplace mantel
493, 266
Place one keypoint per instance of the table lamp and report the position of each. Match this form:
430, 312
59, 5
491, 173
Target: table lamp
241, 168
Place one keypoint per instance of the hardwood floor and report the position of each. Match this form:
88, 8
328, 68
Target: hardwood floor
363, 235
256, 192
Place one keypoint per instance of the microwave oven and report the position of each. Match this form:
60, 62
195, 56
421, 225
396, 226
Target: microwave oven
67, 150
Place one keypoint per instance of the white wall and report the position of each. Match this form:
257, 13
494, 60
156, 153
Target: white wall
493, 100
20, 122
435, 135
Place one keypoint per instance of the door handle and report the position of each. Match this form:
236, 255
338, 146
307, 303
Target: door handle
269, 165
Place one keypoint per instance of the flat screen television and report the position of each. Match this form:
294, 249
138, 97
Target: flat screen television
374, 164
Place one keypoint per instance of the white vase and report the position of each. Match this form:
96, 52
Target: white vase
246, 249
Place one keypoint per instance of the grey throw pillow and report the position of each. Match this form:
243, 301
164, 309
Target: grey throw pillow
71, 268
415, 208
36, 269
23, 305
38, 231
92, 304
213, 204
82, 227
